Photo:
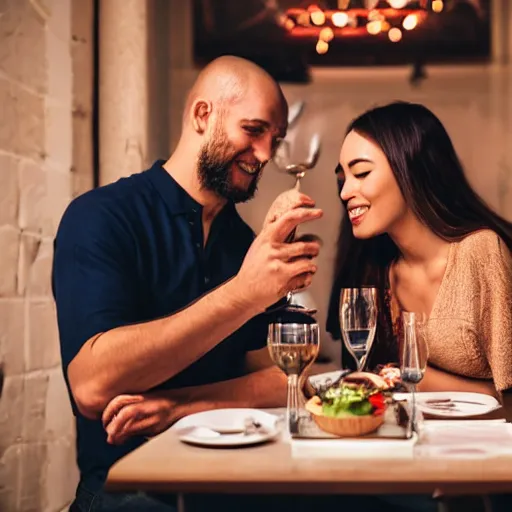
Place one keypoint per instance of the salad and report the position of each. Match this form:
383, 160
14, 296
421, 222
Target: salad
358, 394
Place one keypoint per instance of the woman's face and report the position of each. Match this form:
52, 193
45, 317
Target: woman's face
369, 189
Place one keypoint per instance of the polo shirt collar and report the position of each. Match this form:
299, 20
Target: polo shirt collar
176, 198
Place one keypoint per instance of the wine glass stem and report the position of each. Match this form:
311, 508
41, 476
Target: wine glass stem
413, 412
292, 405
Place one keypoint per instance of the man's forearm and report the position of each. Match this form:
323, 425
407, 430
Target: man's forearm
262, 389
136, 358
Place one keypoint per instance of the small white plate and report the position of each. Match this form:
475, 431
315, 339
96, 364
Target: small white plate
465, 404
204, 428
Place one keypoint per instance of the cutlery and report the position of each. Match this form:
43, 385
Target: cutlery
449, 402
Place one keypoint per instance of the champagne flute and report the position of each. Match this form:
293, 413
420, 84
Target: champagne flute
358, 321
293, 347
414, 356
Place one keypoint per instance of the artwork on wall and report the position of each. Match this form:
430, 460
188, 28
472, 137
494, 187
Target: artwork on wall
287, 35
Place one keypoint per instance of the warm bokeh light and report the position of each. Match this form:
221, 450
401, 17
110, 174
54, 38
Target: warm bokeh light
398, 4
375, 16
326, 34
289, 25
339, 19
322, 47
437, 5
385, 26
318, 17
303, 19
374, 27
395, 34
410, 21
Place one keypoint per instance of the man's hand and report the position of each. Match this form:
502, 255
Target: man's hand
138, 415
272, 267
285, 202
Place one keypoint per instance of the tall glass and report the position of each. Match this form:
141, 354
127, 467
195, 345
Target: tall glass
414, 356
358, 321
293, 347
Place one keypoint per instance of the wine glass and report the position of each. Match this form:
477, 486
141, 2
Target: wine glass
293, 347
291, 159
414, 356
358, 321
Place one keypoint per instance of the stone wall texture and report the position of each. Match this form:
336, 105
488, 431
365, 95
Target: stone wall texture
37, 454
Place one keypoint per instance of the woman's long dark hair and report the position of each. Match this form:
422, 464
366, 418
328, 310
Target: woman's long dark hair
432, 181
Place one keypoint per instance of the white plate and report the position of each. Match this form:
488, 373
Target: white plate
466, 404
203, 428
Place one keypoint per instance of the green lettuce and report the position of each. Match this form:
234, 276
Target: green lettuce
346, 401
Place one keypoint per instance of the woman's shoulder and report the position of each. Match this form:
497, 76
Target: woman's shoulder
481, 245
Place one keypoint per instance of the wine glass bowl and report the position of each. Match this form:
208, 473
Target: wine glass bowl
290, 158
358, 321
293, 347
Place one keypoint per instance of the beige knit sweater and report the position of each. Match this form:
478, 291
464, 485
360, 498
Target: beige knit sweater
469, 332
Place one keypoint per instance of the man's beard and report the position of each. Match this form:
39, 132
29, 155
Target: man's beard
214, 170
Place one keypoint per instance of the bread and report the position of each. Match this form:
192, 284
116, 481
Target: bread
367, 378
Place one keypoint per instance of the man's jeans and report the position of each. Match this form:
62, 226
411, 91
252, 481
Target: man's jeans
86, 501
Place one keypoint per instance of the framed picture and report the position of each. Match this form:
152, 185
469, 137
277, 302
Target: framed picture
286, 36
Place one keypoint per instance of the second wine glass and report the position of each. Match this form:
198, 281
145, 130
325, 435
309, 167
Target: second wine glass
414, 356
358, 321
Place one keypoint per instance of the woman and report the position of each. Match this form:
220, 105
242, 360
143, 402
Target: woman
415, 229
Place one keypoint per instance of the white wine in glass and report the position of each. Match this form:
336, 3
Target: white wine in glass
293, 347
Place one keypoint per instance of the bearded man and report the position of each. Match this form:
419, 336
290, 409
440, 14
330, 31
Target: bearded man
160, 285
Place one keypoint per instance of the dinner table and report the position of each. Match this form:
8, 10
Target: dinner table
166, 464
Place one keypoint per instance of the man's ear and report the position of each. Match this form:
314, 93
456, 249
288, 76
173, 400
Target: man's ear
201, 110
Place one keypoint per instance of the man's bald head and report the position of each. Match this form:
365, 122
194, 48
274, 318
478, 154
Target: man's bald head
234, 118
227, 80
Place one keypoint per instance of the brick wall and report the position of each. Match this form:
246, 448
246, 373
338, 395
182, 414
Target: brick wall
37, 467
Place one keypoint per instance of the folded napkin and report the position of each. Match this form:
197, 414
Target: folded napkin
465, 439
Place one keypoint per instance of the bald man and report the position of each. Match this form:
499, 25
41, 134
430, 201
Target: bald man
160, 286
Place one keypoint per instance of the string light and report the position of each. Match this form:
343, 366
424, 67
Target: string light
375, 16
339, 19
437, 5
374, 27
318, 17
303, 19
393, 17
326, 34
322, 47
395, 34
398, 4
410, 22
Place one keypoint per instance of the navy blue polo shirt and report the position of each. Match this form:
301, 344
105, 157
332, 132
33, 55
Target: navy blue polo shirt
132, 252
